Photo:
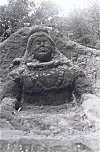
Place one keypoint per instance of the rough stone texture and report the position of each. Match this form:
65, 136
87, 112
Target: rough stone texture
54, 129
92, 108
44, 76
11, 48
87, 58
50, 83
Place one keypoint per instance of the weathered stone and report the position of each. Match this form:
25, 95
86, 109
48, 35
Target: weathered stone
51, 129
15, 47
11, 48
44, 76
47, 128
28, 145
91, 107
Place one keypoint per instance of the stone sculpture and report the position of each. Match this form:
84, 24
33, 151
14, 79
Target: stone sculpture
43, 76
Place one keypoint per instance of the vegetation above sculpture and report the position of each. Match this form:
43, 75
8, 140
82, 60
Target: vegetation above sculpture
81, 25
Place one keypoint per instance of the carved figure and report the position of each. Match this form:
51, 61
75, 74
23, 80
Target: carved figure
43, 76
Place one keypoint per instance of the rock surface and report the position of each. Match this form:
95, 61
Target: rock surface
54, 128
92, 109
86, 58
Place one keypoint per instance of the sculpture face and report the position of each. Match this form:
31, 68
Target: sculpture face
42, 49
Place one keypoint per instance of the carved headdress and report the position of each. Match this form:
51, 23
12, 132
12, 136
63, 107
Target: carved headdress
38, 31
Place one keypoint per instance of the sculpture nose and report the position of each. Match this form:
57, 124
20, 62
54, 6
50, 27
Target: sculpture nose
42, 43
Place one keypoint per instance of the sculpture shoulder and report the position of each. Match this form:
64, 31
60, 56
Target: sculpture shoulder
16, 73
73, 72
69, 66
17, 62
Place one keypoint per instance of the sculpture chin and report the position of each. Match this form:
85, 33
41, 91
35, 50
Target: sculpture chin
43, 56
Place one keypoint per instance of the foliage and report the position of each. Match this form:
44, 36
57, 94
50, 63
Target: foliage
2, 19
20, 13
17, 13
44, 12
81, 25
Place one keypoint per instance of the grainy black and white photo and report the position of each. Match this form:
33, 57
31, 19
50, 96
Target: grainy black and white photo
49, 76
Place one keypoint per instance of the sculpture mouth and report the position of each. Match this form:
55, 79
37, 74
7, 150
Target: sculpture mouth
42, 49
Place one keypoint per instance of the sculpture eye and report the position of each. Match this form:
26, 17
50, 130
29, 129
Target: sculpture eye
46, 42
37, 42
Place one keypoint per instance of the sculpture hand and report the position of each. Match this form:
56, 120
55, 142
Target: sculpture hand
8, 108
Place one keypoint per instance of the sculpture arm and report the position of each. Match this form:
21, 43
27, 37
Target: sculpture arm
12, 90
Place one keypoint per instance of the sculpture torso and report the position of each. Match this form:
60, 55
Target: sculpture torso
45, 83
43, 78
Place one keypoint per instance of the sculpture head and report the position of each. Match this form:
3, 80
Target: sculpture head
40, 46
